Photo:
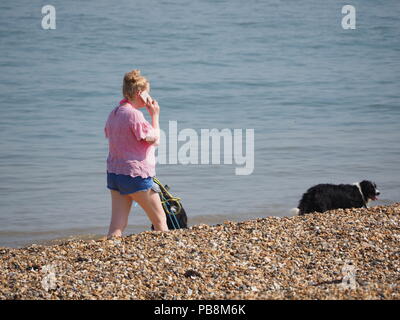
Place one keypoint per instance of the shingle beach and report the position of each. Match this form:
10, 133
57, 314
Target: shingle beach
341, 254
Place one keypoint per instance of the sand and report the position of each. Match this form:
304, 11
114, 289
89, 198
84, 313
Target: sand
341, 254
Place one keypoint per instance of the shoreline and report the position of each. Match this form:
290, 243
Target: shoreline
98, 232
299, 257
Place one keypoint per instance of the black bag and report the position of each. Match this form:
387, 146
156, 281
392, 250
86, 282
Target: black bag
176, 215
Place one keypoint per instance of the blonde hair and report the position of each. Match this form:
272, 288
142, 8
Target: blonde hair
133, 82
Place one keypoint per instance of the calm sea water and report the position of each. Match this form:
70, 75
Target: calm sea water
324, 104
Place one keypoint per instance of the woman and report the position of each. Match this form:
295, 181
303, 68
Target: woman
131, 159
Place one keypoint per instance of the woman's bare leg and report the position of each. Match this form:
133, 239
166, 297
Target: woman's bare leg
121, 206
150, 201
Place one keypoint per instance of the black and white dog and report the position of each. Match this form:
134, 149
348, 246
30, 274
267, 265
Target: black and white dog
324, 197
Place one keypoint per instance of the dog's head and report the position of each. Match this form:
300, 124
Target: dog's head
369, 190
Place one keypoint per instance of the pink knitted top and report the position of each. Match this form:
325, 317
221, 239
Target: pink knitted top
129, 154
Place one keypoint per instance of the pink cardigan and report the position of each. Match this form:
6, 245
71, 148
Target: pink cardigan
129, 154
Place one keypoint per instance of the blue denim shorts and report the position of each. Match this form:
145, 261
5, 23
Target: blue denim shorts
126, 184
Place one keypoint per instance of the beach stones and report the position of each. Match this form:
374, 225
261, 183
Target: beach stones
341, 254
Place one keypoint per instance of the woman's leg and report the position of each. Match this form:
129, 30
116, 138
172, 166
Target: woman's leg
150, 201
121, 206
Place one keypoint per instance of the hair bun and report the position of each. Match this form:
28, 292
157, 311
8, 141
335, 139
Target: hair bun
133, 76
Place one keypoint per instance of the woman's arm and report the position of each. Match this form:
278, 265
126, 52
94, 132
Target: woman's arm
154, 109
154, 139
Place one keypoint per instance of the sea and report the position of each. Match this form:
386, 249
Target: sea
312, 86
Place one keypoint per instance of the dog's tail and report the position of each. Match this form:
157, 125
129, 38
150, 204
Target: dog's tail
295, 211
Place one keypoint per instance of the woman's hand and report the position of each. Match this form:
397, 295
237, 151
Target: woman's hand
153, 108
154, 111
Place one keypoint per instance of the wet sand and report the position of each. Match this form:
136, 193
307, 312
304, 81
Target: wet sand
341, 254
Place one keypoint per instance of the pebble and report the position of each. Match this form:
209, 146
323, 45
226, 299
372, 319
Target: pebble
300, 257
